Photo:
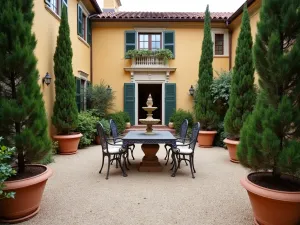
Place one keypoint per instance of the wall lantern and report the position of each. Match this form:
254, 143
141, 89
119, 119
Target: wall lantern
192, 90
108, 89
47, 79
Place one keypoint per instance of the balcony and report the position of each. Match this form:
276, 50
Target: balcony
149, 62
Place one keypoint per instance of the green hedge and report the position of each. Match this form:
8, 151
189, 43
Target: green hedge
179, 116
119, 119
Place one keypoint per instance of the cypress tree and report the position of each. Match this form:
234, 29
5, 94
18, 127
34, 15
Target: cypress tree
23, 120
65, 113
270, 137
242, 93
204, 107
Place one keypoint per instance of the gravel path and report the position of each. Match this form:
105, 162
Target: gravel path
77, 195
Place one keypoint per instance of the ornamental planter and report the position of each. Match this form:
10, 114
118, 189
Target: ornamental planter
232, 149
128, 125
206, 138
272, 207
68, 144
171, 125
26, 203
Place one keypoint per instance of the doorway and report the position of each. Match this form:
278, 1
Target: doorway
143, 92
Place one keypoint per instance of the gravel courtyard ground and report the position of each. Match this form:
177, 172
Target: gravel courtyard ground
78, 195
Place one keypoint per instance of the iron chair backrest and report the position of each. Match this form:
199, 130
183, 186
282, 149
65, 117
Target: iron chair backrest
183, 130
194, 136
114, 130
103, 138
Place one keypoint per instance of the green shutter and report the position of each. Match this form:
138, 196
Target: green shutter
79, 20
78, 96
130, 41
88, 95
89, 31
169, 41
170, 100
129, 100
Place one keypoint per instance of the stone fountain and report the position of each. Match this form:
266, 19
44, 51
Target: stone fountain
149, 121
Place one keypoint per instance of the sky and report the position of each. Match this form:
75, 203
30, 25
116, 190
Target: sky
179, 5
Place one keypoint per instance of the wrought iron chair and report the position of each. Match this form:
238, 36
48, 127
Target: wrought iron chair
187, 149
117, 139
112, 151
180, 139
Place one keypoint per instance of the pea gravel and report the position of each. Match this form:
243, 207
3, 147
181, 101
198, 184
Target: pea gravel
77, 194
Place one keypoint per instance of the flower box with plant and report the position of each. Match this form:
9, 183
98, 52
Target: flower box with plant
65, 113
242, 94
269, 142
204, 107
23, 121
163, 54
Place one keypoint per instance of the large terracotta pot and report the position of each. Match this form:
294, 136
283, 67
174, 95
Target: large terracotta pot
26, 203
232, 149
68, 144
272, 207
206, 138
97, 140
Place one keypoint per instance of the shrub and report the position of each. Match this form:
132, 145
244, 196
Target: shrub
87, 127
6, 170
23, 121
204, 106
65, 112
101, 100
118, 117
126, 116
179, 116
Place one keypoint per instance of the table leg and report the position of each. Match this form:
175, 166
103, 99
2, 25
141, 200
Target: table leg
150, 161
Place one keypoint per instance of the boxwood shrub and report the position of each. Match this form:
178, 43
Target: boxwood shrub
179, 116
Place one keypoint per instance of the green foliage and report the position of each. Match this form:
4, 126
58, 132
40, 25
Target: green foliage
106, 126
126, 116
204, 106
118, 117
6, 170
165, 54
87, 127
23, 122
65, 113
242, 94
179, 116
270, 136
220, 91
101, 100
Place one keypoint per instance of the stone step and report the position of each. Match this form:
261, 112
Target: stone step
155, 127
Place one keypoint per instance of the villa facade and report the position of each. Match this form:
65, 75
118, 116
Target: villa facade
101, 37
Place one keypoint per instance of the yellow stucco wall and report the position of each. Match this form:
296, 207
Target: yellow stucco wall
45, 27
108, 58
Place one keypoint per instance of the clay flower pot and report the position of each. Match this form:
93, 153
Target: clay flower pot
97, 140
171, 125
272, 207
26, 203
128, 125
232, 149
206, 138
68, 144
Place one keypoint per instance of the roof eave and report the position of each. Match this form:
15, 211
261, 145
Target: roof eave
96, 6
239, 11
153, 20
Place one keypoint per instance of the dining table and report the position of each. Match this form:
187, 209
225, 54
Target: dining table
150, 146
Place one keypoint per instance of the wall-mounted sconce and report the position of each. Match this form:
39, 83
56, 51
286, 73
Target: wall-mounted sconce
108, 89
47, 79
192, 90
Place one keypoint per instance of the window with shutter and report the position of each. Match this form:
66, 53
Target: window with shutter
130, 40
169, 41
89, 32
79, 20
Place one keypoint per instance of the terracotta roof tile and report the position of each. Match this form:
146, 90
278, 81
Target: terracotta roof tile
161, 16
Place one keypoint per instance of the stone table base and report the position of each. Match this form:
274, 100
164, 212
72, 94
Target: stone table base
150, 161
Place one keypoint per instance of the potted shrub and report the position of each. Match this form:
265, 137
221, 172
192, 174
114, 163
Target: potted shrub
65, 113
179, 116
270, 136
171, 123
127, 119
242, 94
204, 106
23, 122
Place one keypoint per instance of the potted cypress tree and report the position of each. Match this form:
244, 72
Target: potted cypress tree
204, 106
242, 93
23, 122
270, 136
65, 113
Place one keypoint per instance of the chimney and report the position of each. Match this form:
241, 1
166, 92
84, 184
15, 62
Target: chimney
111, 5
